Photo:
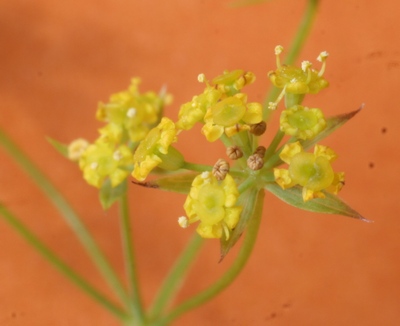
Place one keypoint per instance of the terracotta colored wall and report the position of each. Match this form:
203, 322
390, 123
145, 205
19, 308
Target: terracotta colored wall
58, 59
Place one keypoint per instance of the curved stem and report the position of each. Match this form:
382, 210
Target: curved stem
69, 215
297, 45
66, 270
129, 259
175, 277
233, 271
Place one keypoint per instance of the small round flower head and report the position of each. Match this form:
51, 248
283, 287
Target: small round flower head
231, 116
131, 112
231, 82
213, 203
302, 122
298, 80
76, 148
312, 171
104, 160
156, 150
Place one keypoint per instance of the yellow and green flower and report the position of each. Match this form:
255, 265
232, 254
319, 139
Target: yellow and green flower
103, 160
231, 116
156, 150
297, 80
213, 203
131, 114
312, 171
302, 122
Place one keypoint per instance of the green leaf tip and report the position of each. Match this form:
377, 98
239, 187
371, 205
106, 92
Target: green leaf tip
331, 204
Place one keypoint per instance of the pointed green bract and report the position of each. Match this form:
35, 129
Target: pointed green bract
331, 204
248, 200
332, 124
60, 147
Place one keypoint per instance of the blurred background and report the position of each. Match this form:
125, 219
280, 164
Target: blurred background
59, 59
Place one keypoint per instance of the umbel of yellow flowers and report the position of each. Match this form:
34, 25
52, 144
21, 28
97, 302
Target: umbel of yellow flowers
312, 171
213, 203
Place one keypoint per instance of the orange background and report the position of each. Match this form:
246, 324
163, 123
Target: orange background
58, 59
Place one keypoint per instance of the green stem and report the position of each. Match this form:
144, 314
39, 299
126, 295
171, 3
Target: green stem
274, 144
175, 278
69, 215
246, 184
297, 45
54, 260
127, 244
196, 167
231, 274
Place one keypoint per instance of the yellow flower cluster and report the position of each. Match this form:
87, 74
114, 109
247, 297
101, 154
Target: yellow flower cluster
129, 116
221, 106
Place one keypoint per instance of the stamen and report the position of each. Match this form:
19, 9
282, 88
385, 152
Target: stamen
131, 113
278, 51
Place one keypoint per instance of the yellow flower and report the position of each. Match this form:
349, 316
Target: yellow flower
212, 202
231, 116
194, 111
302, 122
312, 171
297, 80
156, 150
103, 160
231, 82
134, 114
222, 87
76, 148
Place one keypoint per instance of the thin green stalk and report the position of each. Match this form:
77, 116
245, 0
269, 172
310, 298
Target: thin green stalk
246, 184
69, 215
129, 259
231, 274
274, 144
175, 278
297, 45
66, 270
196, 167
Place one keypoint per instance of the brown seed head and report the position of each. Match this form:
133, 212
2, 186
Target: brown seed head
234, 152
258, 129
220, 169
260, 151
255, 162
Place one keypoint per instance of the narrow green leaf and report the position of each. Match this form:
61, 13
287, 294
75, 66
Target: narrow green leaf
61, 148
180, 183
331, 204
247, 200
109, 195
